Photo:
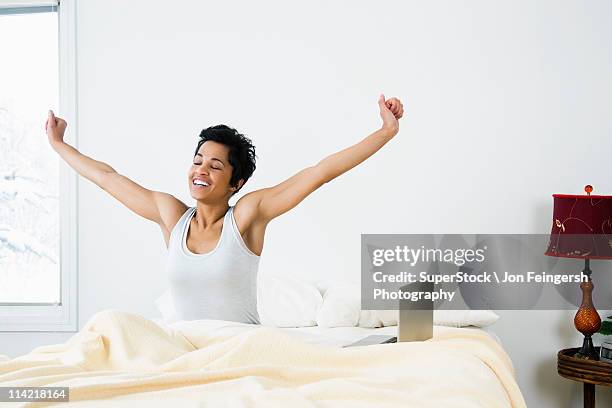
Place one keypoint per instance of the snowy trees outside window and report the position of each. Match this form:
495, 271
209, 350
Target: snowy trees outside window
29, 168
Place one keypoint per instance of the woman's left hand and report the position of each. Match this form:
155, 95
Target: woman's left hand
390, 111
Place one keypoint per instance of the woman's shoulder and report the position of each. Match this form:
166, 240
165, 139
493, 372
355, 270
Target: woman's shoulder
171, 209
245, 211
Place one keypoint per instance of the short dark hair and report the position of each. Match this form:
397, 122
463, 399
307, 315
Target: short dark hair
241, 151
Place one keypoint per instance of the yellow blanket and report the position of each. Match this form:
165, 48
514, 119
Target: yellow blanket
124, 359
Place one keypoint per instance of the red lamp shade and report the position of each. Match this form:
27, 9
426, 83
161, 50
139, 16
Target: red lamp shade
581, 226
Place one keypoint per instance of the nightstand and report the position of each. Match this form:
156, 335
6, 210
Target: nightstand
589, 372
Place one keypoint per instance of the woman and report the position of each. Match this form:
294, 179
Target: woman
214, 249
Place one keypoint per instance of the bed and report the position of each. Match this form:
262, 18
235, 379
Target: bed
124, 359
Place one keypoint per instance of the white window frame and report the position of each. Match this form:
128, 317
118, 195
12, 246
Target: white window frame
62, 316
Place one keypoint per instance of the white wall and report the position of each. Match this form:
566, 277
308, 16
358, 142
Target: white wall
506, 103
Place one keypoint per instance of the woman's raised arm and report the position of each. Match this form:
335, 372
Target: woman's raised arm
274, 201
162, 208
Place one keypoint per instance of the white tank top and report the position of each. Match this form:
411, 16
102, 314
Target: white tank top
220, 284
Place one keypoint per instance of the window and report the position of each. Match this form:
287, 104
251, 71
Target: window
37, 192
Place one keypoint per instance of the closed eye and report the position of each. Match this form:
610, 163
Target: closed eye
215, 168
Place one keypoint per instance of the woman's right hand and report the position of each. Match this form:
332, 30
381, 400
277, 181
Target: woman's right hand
55, 128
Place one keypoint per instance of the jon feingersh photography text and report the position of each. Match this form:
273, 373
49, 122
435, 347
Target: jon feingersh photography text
458, 257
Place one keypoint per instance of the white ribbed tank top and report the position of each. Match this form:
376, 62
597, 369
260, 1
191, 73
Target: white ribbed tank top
221, 284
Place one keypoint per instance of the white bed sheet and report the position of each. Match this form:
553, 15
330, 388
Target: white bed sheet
336, 336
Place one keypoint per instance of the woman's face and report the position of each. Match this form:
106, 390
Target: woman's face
210, 173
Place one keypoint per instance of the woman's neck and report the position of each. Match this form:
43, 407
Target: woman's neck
209, 214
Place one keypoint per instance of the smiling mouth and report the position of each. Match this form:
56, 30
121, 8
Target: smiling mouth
199, 183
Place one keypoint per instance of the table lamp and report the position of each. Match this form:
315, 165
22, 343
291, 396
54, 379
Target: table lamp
582, 228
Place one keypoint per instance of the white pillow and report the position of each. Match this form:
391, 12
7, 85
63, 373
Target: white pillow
463, 318
340, 307
342, 303
453, 318
288, 302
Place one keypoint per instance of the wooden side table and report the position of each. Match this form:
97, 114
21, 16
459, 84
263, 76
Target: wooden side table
589, 372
